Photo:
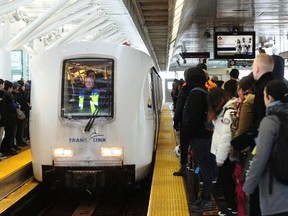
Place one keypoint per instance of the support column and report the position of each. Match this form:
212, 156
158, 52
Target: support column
5, 65
5, 60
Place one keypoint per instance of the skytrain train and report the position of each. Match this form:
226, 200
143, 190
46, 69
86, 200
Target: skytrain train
95, 117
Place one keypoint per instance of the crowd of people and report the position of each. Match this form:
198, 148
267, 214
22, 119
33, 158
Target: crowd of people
14, 116
239, 143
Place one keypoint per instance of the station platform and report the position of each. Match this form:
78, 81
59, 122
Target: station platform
168, 196
171, 195
16, 179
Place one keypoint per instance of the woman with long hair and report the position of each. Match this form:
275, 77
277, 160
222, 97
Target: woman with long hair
220, 108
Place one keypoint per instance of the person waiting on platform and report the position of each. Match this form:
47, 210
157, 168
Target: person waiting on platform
88, 96
273, 193
220, 107
9, 120
195, 130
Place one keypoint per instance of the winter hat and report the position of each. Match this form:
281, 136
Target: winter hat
193, 74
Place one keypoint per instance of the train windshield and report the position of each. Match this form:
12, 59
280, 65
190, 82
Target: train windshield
87, 88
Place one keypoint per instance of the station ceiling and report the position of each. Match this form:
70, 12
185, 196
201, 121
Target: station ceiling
148, 25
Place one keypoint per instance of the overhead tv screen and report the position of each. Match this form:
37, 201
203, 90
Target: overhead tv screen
234, 45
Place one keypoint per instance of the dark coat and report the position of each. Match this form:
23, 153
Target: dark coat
197, 105
20, 98
259, 109
182, 96
7, 113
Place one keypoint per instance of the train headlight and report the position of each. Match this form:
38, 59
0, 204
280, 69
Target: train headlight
62, 152
111, 151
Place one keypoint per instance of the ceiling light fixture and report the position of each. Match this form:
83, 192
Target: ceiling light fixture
176, 21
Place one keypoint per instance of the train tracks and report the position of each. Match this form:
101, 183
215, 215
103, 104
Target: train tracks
86, 203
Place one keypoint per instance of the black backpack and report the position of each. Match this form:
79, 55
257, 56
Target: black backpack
186, 111
279, 155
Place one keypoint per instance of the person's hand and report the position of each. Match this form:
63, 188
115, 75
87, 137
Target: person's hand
219, 164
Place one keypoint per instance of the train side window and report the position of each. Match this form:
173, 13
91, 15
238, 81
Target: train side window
87, 88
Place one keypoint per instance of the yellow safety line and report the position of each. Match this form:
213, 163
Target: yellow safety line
168, 195
17, 195
15, 163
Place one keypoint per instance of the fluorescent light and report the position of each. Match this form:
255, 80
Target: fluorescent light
176, 23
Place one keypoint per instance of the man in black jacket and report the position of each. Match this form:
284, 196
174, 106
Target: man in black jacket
193, 129
262, 73
178, 125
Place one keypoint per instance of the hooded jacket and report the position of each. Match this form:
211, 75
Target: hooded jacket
222, 134
259, 173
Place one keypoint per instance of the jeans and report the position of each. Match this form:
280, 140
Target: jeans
201, 148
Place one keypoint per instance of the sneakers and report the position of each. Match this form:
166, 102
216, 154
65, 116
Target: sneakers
202, 206
228, 212
180, 172
223, 213
10, 152
196, 202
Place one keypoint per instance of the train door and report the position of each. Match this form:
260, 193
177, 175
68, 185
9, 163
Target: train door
168, 89
156, 91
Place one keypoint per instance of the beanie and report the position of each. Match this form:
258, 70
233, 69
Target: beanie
193, 74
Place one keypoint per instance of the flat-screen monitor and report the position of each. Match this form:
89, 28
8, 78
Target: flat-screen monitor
234, 45
87, 88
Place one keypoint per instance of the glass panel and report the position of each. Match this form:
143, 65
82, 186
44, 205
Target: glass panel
87, 88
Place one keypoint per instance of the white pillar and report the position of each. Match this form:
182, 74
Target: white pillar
5, 61
5, 66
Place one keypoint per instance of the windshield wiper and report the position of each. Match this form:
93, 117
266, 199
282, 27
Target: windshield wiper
95, 114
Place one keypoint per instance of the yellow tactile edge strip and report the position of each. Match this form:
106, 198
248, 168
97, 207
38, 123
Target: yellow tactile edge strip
17, 195
168, 195
14, 163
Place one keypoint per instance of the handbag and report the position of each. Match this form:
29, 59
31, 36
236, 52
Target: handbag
20, 114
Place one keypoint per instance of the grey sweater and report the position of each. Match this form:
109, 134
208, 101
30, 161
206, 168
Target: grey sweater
258, 174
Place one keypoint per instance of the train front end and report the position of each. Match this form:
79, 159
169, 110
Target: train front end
92, 119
